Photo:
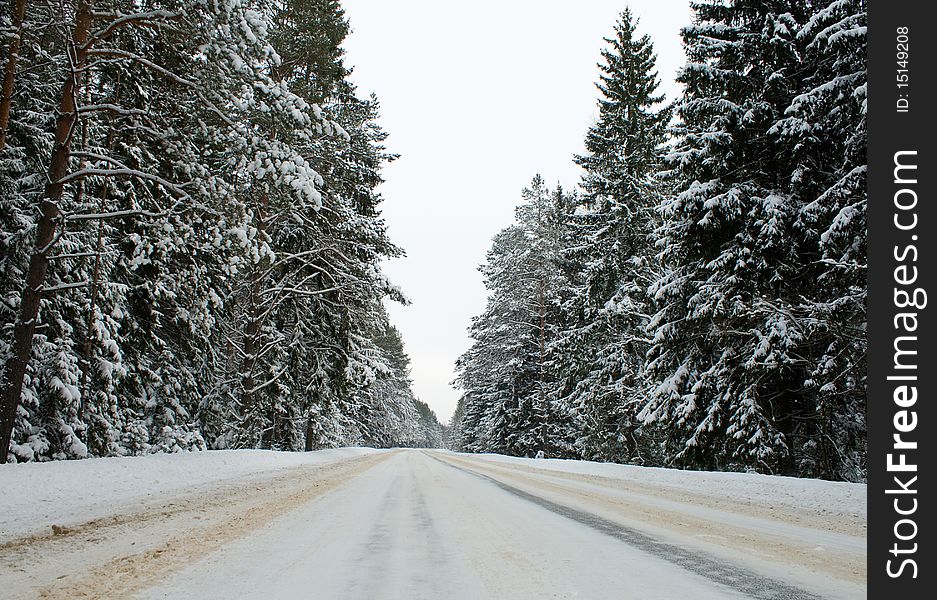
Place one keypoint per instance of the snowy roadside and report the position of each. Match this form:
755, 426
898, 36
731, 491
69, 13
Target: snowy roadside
824, 497
37, 495
808, 533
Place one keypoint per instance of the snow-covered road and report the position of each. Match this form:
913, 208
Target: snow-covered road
415, 524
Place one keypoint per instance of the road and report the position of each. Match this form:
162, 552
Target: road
418, 524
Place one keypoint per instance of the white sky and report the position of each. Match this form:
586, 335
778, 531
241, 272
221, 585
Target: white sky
478, 97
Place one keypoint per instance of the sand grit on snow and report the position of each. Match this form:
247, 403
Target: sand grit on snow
61, 493
833, 497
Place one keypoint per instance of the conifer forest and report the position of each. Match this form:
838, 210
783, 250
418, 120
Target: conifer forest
699, 300
191, 235
192, 240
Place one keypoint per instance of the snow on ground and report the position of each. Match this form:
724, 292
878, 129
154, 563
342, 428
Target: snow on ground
416, 529
361, 524
811, 534
809, 494
37, 495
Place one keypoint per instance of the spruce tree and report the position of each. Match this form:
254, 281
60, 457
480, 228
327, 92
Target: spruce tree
609, 253
824, 130
725, 364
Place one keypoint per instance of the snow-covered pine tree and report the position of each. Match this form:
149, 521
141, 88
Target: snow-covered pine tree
154, 113
308, 36
506, 373
304, 347
726, 362
602, 347
30, 72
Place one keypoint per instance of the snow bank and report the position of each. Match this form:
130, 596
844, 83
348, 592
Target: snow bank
832, 497
37, 495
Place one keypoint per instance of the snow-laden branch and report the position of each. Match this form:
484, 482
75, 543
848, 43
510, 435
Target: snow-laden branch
64, 286
130, 212
131, 19
268, 382
142, 60
123, 172
301, 292
113, 108
78, 255
132, 56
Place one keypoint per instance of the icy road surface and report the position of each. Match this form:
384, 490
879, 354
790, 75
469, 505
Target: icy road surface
417, 524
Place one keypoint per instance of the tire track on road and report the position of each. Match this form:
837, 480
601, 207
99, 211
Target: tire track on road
840, 523
743, 580
716, 533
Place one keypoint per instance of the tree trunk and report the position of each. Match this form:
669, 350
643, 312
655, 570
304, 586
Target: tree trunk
87, 344
309, 444
49, 217
9, 70
252, 341
542, 360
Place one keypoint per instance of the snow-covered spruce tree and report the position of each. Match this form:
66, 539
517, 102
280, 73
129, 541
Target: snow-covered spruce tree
380, 407
155, 110
726, 358
506, 372
602, 347
825, 133
487, 370
469, 433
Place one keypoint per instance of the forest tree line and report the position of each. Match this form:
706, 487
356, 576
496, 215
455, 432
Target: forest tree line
190, 234
699, 300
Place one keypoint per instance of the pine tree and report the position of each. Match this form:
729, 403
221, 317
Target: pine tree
506, 374
204, 283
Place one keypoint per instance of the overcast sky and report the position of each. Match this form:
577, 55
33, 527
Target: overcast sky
478, 97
